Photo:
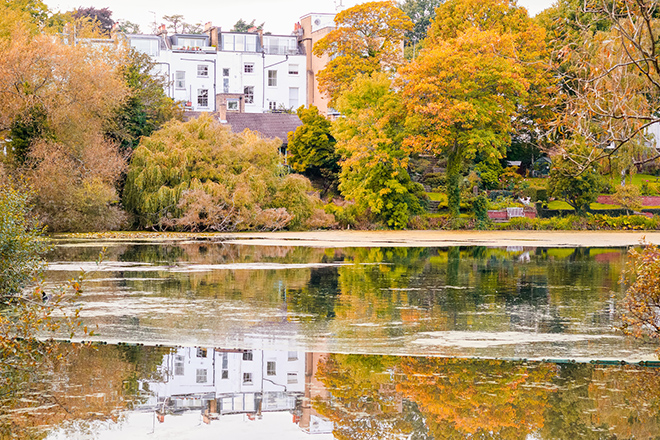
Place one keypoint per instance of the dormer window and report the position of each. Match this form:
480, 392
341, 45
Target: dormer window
191, 42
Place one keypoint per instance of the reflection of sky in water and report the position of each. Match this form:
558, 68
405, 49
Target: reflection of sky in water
531, 303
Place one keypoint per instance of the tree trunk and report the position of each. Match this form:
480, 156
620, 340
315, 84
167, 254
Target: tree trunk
453, 183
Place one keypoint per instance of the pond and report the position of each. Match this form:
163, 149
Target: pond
195, 337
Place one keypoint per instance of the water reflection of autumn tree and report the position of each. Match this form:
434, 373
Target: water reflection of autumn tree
246, 284
74, 385
378, 283
259, 284
364, 403
316, 299
596, 402
477, 399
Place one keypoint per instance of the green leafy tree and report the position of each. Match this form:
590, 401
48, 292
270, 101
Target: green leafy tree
199, 176
374, 166
146, 108
243, 26
26, 129
312, 148
367, 39
420, 12
628, 197
177, 25
364, 403
128, 27
578, 189
21, 241
468, 84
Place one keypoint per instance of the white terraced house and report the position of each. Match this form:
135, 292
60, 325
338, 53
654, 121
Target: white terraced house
227, 71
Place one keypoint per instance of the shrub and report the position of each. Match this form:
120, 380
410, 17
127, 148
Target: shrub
626, 222
418, 222
480, 207
642, 301
578, 191
489, 173
76, 192
198, 176
434, 180
541, 195
21, 241
628, 197
510, 179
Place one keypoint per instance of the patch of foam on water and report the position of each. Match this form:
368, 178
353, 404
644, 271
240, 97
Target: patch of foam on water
251, 266
106, 266
487, 339
115, 266
103, 280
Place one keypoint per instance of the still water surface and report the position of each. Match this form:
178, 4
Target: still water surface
348, 343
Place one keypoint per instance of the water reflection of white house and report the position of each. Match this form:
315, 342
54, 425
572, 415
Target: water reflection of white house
229, 382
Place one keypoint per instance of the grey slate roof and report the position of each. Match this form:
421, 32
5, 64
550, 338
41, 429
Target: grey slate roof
270, 125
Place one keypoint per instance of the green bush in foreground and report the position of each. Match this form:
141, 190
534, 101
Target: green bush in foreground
21, 241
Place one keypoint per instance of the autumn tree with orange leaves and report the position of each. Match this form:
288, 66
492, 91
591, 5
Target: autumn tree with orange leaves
642, 302
471, 81
477, 398
368, 38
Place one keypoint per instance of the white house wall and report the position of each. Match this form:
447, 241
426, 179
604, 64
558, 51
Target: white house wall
188, 63
181, 372
290, 91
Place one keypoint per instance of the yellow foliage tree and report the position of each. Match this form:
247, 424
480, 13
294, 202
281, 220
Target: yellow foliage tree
470, 82
368, 38
55, 101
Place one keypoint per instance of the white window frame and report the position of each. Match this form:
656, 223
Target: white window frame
233, 105
179, 365
203, 98
247, 378
272, 105
247, 356
180, 80
202, 71
248, 68
291, 378
248, 93
272, 78
201, 375
271, 368
294, 69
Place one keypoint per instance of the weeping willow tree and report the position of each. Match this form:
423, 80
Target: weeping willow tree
199, 176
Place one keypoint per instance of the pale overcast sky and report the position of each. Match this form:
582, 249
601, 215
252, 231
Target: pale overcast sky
279, 15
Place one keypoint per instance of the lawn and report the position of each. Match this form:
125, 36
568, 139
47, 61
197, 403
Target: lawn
637, 179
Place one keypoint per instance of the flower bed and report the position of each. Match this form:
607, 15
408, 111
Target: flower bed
645, 200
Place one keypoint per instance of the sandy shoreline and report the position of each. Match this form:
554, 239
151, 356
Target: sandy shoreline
345, 238
446, 238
